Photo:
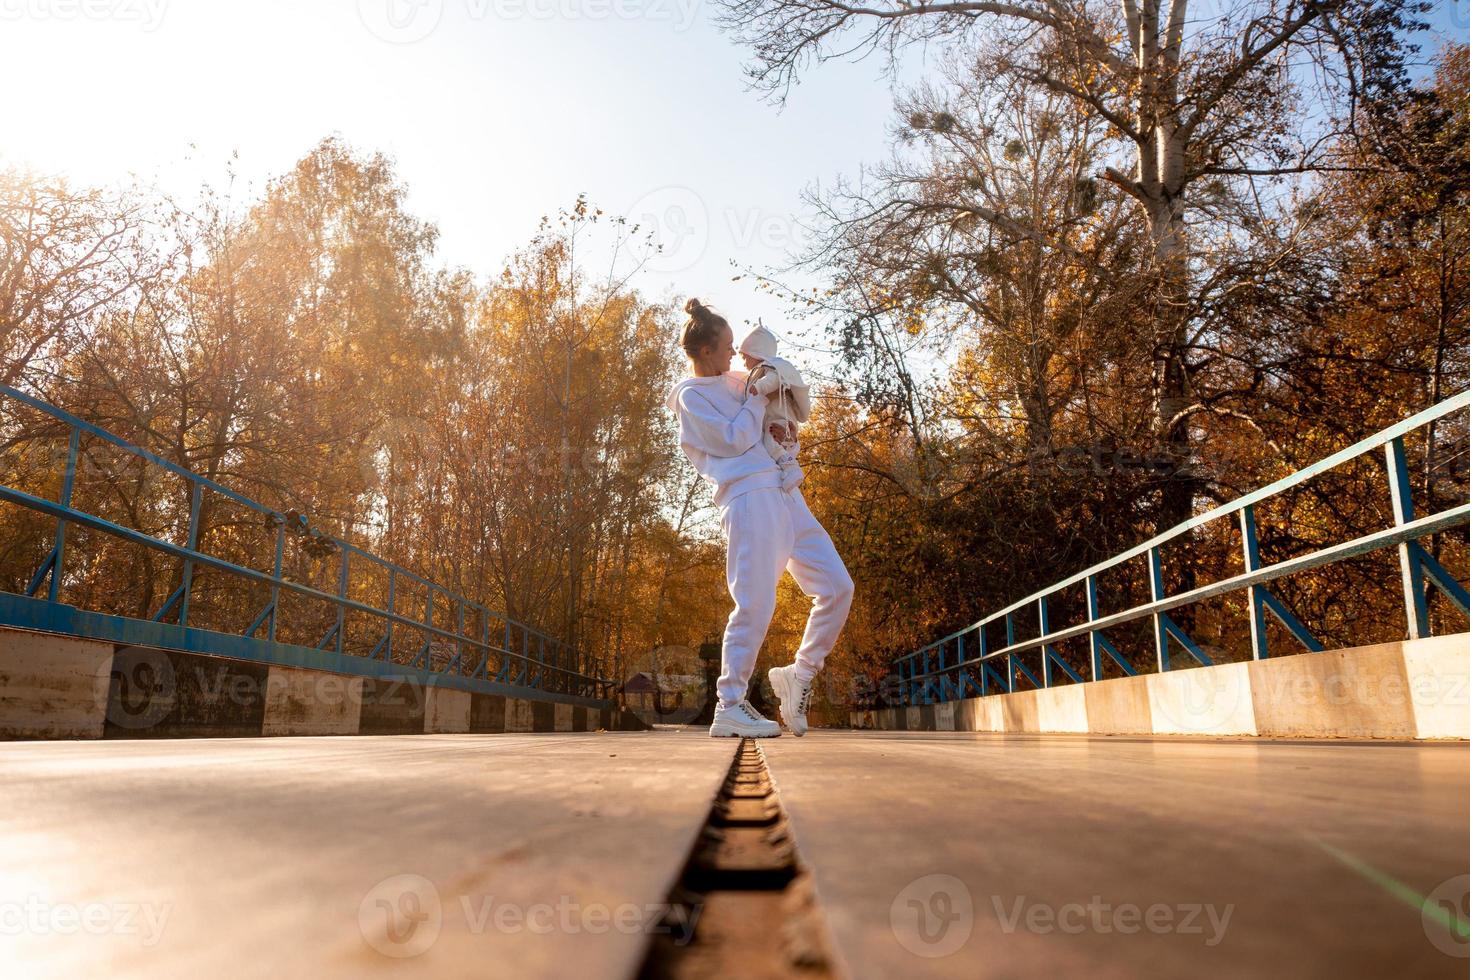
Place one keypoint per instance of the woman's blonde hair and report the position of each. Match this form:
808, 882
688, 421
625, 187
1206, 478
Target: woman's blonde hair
701, 329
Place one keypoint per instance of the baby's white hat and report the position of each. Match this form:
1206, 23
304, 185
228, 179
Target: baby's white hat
760, 342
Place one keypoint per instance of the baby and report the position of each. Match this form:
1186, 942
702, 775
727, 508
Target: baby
789, 405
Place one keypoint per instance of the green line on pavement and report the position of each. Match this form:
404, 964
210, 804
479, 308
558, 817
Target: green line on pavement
1397, 889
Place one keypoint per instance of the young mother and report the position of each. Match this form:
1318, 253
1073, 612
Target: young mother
767, 529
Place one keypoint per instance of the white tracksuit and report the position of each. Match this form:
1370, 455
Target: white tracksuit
767, 529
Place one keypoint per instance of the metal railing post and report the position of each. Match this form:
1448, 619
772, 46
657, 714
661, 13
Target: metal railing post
984, 671
1156, 591
186, 585
392, 611
1043, 623
505, 660
485, 642
342, 594
276, 580
1094, 642
1416, 606
1010, 657
933, 686
1255, 599
427, 651
459, 635
959, 664
937, 684
68, 483
926, 683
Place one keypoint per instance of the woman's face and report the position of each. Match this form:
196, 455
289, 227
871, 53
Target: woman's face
715, 359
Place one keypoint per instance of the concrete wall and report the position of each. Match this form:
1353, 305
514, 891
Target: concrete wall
1405, 690
310, 702
52, 686
518, 717
448, 710
59, 687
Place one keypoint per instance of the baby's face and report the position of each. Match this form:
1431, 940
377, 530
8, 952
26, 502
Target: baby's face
750, 360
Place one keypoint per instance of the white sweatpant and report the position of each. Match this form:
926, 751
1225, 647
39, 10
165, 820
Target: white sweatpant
768, 531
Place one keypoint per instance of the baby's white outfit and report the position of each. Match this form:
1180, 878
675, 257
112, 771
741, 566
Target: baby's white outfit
789, 403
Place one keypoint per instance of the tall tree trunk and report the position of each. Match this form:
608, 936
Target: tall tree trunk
1161, 178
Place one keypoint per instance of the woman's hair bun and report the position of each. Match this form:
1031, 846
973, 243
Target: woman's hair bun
701, 329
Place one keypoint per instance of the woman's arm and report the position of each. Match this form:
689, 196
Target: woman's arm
703, 427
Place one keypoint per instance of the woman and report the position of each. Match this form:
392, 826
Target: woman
767, 529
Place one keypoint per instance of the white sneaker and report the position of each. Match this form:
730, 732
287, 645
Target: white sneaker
795, 697
742, 721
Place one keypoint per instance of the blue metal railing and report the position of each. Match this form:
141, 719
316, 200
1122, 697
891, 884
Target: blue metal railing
932, 673
485, 660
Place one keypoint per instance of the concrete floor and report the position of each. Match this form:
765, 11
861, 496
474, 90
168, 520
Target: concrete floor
270, 857
1322, 850
287, 857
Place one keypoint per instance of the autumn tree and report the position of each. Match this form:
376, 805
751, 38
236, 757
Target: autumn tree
67, 256
502, 434
1202, 105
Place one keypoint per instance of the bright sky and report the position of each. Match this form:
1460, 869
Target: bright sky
496, 111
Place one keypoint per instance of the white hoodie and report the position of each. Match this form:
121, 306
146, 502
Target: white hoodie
720, 431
